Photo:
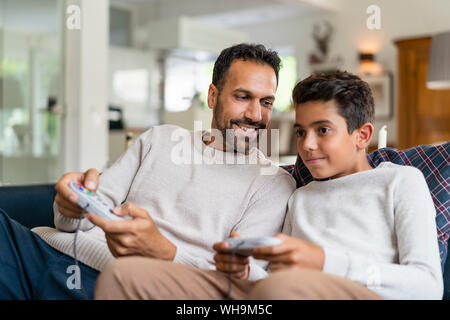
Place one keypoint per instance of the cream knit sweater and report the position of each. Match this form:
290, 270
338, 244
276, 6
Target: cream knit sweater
377, 228
194, 204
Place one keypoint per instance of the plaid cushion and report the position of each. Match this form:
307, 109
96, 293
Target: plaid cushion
433, 161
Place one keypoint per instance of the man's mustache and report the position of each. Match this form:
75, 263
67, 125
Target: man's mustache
258, 125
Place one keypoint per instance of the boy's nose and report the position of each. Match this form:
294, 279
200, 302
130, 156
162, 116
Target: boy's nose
309, 142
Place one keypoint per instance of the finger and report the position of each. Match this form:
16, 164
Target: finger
273, 250
221, 246
69, 213
110, 226
91, 179
117, 250
286, 258
98, 221
221, 267
62, 186
132, 210
124, 239
234, 235
282, 236
226, 258
64, 203
238, 275
112, 248
233, 268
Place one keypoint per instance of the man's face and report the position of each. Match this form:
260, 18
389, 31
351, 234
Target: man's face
323, 142
244, 104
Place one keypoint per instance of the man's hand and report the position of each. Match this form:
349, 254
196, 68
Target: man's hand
240, 266
66, 199
136, 237
291, 253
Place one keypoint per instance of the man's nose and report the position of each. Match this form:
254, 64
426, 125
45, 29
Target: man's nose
253, 111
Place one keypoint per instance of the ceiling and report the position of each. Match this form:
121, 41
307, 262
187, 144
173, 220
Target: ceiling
30, 15
42, 15
230, 13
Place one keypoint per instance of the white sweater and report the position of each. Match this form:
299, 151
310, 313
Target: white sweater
194, 205
377, 228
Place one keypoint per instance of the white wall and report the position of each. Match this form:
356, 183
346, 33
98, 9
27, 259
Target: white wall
136, 114
399, 19
86, 127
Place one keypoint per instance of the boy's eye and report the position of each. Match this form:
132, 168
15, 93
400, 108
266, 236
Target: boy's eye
300, 133
324, 130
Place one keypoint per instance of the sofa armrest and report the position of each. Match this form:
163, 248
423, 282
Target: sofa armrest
30, 205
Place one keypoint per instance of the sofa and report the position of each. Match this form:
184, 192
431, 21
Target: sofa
31, 205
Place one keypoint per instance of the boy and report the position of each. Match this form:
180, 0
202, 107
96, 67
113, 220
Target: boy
373, 226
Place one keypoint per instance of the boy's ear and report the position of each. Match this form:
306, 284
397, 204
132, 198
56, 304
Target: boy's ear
213, 95
365, 133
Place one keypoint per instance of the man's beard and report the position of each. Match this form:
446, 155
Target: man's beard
232, 141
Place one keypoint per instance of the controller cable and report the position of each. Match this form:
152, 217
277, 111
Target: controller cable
83, 212
233, 253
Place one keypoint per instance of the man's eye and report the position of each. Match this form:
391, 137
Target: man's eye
242, 97
268, 103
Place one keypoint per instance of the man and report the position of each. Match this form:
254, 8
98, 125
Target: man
179, 206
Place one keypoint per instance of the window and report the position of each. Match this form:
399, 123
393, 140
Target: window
131, 85
287, 81
120, 25
184, 79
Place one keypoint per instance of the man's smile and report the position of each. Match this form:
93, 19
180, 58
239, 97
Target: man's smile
246, 130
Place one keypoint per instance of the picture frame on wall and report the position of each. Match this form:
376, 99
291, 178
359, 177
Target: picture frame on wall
381, 86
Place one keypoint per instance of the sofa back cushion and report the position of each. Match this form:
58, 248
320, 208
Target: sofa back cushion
31, 205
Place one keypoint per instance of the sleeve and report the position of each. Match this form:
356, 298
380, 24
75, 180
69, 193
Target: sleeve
287, 226
265, 215
114, 184
418, 273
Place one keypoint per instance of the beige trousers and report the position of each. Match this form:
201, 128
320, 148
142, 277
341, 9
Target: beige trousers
145, 278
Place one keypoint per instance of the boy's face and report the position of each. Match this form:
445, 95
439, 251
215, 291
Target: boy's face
323, 142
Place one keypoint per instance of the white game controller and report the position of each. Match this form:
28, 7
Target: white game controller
245, 246
91, 202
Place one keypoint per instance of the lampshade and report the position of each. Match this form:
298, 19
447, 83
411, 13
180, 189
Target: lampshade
439, 64
366, 57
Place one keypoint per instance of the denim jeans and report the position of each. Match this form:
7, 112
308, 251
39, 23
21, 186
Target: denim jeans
31, 269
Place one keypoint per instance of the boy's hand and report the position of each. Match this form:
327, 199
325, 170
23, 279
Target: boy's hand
240, 265
66, 199
291, 253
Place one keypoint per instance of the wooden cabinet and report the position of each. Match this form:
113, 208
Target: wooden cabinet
423, 115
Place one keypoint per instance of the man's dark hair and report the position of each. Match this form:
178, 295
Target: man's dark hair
352, 95
243, 51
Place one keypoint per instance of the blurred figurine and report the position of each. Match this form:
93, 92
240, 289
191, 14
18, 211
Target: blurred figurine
196, 102
322, 35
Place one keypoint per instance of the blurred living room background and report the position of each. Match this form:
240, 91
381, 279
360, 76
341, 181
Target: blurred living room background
81, 79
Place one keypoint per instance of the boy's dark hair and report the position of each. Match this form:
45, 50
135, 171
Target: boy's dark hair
243, 51
352, 95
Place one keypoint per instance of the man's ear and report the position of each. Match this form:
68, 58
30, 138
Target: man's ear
213, 96
365, 133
